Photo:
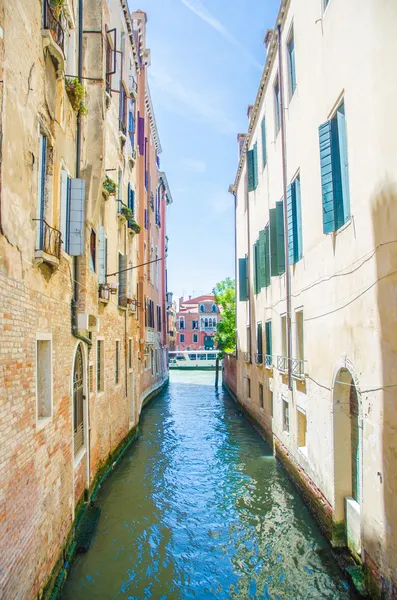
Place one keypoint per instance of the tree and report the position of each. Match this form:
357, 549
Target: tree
225, 297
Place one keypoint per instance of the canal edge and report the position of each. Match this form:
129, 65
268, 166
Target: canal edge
59, 573
353, 572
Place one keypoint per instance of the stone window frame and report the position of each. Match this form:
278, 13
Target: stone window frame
41, 422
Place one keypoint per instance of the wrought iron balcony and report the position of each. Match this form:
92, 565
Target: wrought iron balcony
50, 239
247, 357
103, 292
268, 361
259, 359
298, 368
282, 363
54, 20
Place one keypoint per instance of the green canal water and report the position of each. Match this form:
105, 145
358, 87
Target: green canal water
199, 508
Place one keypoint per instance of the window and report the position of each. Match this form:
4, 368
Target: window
44, 376
206, 323
130, 353
302, 427
181, 323
117, 372
291, 65
285, 415
334, 172
277, 250
261, 395
100, 348
264, 152
195, 338
64, 196
268, 333
259, 341
277, 106
243, 278
202, 308
122, 275
299, 335
214, 308
41, 191
252, 168
294, 213
182, 337
93, 251
195, 325
159, 324
248, 387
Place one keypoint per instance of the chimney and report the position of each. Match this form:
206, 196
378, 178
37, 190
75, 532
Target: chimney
249, 111
268, 38
241, 139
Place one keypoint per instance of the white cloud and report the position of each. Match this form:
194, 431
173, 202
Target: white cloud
195, 165
198, 8
170, 89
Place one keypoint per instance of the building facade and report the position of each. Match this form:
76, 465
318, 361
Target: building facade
315, 364
196, 323
77, 133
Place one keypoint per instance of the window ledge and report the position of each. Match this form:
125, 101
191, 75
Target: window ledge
124, 308
79, 457
54, 50
345, 226
42, 422
44, 257
103, 300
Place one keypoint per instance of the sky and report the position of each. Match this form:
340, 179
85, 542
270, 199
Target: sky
206, 62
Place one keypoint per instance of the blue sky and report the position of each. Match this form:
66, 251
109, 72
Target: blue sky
207, 57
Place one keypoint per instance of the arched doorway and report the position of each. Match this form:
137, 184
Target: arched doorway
78, 400
347, 425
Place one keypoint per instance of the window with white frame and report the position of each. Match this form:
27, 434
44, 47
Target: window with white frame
44, 384
100, 361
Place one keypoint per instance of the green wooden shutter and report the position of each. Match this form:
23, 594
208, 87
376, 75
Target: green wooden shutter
273, 242
280, 237
268, 332
327, 177
259, 336
267, 255
262, 260
298, 212
264, 154
255, 253
255, 159
344, 162
242, 279
291, 222
250, 168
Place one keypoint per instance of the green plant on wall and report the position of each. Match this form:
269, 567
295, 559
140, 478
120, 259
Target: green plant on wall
127, 213
132, 224
225, 297
76, 93
110, 185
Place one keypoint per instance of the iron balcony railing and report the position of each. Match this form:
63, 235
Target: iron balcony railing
282, 363
268, 361
50, 239
298, 368
259, 358
52, 20
247, 357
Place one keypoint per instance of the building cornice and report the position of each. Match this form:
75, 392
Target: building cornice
163, 178
152, 119
271, 54
130, 29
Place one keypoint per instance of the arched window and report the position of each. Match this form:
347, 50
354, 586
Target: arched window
202, 322
202, 309
206, 323
214, 308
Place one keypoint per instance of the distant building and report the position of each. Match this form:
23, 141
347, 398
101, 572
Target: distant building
196, 323
171, 325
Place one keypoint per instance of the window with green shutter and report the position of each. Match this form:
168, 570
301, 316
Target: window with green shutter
334, 172
256, 278
267, 255
294, 215
262, 259
255, 158
277, 250
242, 276
252, 166
264, 153
268, 335
291, 65
259, 343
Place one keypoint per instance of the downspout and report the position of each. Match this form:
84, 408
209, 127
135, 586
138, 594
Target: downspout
249, 273
284, 166
235, 265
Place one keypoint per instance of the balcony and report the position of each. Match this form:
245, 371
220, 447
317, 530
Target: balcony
298, 368
247, 357
282, 364
268, 361
132, 86
103, 293
53, 32
259, 359
49, 244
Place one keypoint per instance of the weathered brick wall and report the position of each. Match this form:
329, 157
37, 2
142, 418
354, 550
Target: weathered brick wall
229, 372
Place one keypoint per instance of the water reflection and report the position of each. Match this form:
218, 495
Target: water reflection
199, 508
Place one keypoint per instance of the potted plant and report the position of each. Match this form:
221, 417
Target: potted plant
110, 186
127, 213
133, 225
76, 93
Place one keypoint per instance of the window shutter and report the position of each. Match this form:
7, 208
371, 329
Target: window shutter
327, 177
122, 275
259, 339
291, 222
146, 218
242, 278
250, 167
141, 134
268, 331
267, 255
256, 290
280, 237
102, 255
255, 160
76, 216
273, 242
298, 213
344, 162
262, 260
264, 155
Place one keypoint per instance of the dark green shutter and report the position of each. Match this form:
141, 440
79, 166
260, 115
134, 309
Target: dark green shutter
255, 159
291, 222
298, 212
267, 255
242, 276
250, 168
344, 162
262, 260
327, 158
264, 155
268, 332
259, 338
273, 242
280, 237
255, 252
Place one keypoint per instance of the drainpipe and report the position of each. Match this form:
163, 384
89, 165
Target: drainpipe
235, 263
249, 271
284, 160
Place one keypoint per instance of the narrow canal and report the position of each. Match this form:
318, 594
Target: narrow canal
199, 508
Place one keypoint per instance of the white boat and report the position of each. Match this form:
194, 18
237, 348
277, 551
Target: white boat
189, 359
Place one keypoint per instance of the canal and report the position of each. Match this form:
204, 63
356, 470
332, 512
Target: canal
199, 508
